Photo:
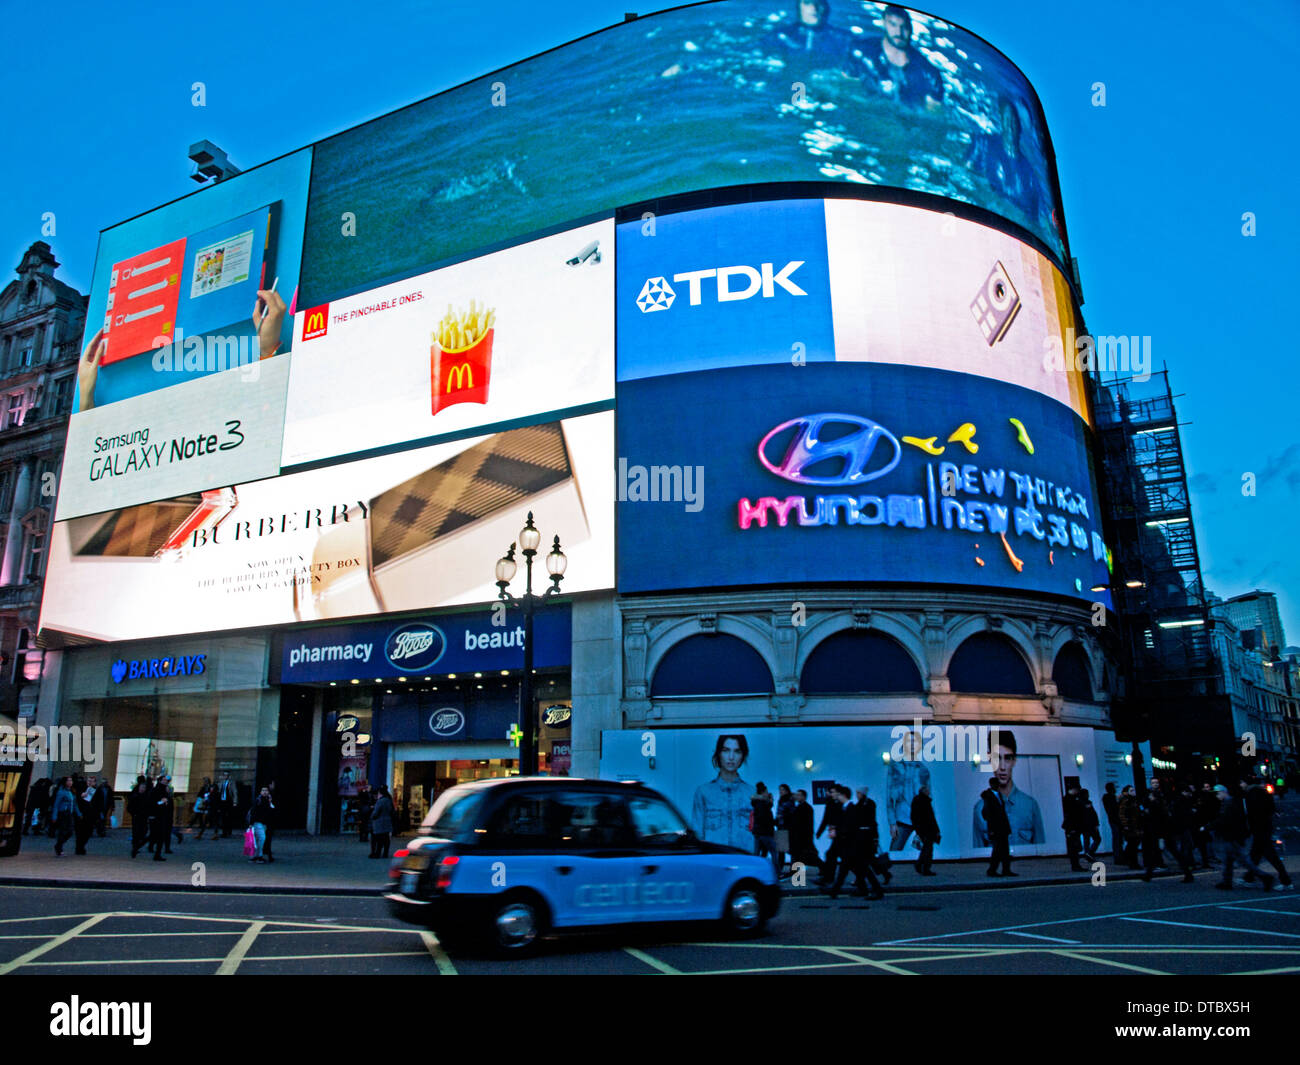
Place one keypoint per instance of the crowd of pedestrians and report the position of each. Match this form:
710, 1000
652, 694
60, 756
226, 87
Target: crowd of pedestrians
79, 808
1171, 824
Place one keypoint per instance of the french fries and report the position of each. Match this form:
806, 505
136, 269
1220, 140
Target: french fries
458, 331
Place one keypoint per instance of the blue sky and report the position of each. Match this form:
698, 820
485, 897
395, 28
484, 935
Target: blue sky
1198, 128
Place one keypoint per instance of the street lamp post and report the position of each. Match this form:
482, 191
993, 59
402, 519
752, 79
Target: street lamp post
530, 539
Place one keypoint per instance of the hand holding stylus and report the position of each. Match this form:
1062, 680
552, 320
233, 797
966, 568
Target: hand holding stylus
88, 369
268, 316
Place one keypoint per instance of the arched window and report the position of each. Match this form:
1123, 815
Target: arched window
1072, 674
988, 663
857, 661
711, 665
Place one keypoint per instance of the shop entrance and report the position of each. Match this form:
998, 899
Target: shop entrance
417, 784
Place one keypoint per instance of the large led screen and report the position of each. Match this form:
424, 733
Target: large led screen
854, 471
183, 376
420, 528
484, 342
736, 92
803, 282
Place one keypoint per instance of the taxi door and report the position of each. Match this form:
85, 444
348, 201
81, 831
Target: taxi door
681, 882
590, 868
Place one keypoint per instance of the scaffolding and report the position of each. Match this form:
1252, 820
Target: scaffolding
1174, 690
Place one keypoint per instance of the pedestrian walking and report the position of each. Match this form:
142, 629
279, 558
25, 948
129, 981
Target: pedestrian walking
1182, 826
1091, 827
1232, 830
1155, 828
106, 801
365, 806
926, 827
227, 795
830, 824
64, 814
38, 802
1072, 823
784, 808
802, 847
1130, 820
1207, 811
998, 828
261, 815
1110, 804
861, 839
270, 826
381, 823
87, 812
160, 819
1260, 809
199, 811
763, 824
140, 808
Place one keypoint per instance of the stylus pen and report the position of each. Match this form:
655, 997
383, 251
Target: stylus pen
266, 306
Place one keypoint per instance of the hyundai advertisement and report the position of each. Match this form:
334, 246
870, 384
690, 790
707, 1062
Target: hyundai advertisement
737, 92
863, 472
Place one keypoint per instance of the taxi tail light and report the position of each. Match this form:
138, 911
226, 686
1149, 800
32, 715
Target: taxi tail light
393, 871
445, 868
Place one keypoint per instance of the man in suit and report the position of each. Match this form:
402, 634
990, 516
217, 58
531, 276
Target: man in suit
802, 848
861, 839
831, 817
926, 826
997, 827
224, 806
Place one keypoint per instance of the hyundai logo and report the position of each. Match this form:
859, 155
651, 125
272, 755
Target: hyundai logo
845, 457
415, 647
446, 722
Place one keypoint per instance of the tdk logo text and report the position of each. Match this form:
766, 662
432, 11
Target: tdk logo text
730, 283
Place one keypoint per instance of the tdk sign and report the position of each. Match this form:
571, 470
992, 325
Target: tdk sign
741, 285
415, 647
730, 283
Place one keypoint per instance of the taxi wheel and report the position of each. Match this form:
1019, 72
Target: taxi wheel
743, 915
516, 924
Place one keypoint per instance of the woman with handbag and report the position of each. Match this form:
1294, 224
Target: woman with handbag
260, 818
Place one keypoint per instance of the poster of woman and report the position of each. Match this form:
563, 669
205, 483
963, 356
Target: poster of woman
721, 808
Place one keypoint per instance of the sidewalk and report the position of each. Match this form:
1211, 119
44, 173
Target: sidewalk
338, 865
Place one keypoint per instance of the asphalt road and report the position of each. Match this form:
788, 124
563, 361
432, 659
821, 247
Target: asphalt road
1125, 926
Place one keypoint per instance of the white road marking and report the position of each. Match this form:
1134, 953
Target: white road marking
237, 952
1257, 909
1214, 927
1050, 939
653, 962
1078, 956
440, 959
57, 941
839, 952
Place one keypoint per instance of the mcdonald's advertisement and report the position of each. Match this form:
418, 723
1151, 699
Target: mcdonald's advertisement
855, 471
418, 528
486, 342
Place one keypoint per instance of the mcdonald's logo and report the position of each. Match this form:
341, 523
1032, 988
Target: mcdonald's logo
460, 376
316, 322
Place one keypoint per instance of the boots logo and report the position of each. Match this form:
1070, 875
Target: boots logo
730, 283
816, 450
446, 722
415, 647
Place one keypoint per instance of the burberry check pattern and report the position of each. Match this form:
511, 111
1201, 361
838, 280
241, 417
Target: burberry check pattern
497, 473
138, 532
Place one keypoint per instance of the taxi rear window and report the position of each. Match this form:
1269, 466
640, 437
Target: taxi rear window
452, 813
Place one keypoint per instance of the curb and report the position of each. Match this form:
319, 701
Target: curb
997, 884
210, 889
